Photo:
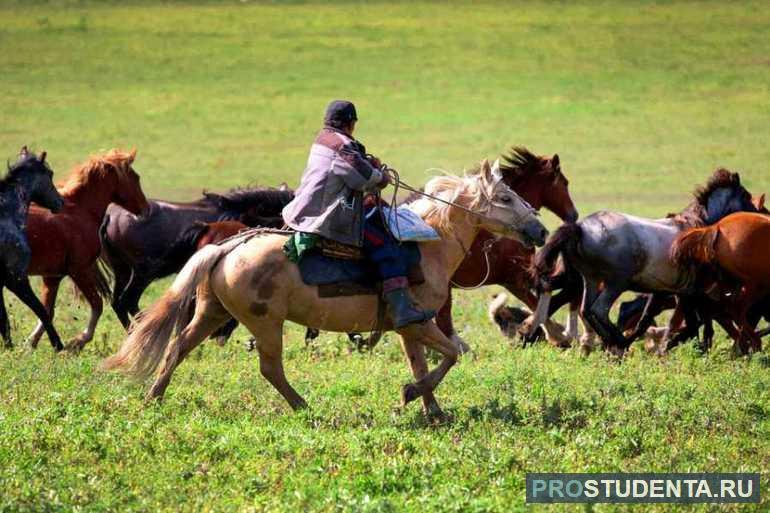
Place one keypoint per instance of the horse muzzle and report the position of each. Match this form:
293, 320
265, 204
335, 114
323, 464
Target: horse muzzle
533, 233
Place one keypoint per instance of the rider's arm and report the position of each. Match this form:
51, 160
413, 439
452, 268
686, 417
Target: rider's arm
356, 171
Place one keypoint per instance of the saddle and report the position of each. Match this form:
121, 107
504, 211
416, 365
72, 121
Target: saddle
341, 270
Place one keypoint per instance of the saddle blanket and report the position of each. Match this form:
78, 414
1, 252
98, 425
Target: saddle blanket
406, 225
337, 277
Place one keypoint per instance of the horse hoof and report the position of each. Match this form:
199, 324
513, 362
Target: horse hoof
435, 413
409, 393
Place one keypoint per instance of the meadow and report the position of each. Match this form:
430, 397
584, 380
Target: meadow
641, 100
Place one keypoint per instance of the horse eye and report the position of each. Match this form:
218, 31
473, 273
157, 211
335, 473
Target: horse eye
505, 199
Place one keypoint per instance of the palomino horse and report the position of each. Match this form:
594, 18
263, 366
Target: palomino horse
493, 261
136, 249
29, 179
739, 245
250, 278
540, 181
615, 252
67, 244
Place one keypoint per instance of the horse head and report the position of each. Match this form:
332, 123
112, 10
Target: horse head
504, 211
540, 181
724, 195
37, 177
130, 194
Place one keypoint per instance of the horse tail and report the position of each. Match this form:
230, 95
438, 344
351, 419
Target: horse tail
563, 242
149, 335
695, 247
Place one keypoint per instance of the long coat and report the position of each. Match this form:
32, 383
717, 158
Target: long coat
329, 200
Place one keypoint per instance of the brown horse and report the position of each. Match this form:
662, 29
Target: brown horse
67, 244
738, 245
251, 279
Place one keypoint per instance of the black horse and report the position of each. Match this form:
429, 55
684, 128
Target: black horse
29, 179
136, 249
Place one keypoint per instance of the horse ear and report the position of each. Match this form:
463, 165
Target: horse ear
760, 202
23, 152
42, 156
485, 169
555, 163
496, 170
131, 156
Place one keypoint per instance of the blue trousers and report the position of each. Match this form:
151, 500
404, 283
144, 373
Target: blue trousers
391, 259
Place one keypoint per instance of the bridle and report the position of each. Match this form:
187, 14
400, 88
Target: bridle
395, 179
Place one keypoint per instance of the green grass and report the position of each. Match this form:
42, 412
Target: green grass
641, 100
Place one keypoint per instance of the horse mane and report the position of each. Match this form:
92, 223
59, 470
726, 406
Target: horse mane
520, 163
463, 190
695, 213
14, 170
266, 201
99, 167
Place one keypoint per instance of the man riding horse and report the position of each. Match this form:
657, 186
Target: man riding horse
334, 201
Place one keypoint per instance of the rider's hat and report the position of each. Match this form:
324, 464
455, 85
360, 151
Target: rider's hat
340, 113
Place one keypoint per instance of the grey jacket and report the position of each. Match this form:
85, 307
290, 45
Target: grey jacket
329, 200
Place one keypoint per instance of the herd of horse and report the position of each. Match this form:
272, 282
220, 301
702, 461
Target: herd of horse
705, 262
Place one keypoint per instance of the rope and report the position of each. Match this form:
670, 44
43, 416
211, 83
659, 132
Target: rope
485, 250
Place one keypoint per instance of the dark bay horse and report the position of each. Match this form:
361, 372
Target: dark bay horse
136, 249
738, 245
67, 244
615, 252
496, 261
29, 179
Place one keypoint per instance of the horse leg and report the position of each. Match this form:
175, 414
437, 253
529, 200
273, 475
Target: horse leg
269, 337
684, 310
222, 335
5, 326
310, 335
415, 355
122, 274
129, 300
542, 317
48, 293
429, 335
590, 294
601, 312
445, 324
652, 308
85, 281
24, 292
209, 315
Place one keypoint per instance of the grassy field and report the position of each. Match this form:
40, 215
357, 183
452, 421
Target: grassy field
641, 100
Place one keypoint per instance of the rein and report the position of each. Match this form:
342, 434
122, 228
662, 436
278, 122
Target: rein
485, 250
398, 183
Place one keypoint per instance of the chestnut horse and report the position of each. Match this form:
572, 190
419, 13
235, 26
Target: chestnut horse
251, 279
67, 244
738, 245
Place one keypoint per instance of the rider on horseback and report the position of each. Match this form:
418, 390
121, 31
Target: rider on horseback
330, 202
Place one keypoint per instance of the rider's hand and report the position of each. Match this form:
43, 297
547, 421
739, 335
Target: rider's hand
385, 181
375, 162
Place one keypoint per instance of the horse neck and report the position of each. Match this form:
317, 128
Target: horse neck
454, 246
14, 201
530, 190
91, 198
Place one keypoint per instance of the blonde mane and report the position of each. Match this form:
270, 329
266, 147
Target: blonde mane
462, 190
99, 167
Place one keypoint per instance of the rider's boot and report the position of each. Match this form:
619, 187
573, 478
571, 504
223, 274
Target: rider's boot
402, 309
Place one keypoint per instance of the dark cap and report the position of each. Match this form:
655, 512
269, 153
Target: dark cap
340, 113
